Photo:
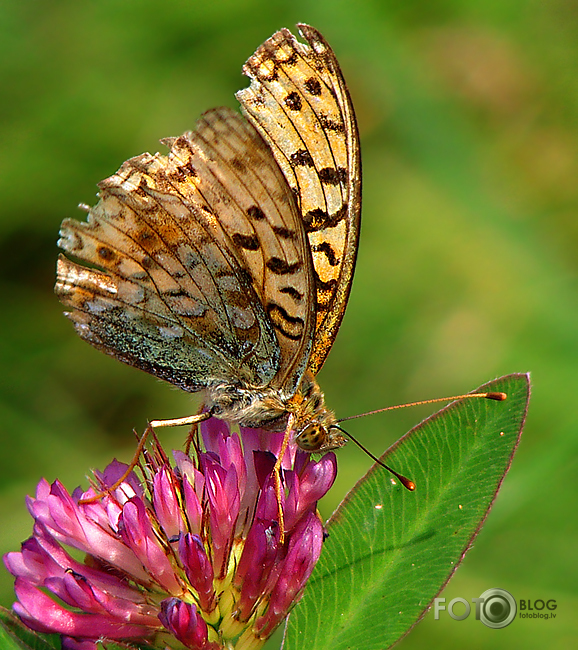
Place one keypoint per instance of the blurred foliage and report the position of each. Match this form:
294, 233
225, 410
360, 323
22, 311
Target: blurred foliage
468, 264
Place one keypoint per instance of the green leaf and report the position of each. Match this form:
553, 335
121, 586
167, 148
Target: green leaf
16, 636
390, 551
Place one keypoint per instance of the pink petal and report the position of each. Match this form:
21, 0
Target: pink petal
42, 613
138, 534
166, 504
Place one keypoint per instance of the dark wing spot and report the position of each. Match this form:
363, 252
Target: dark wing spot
338, 216
148, 263
145, 236
284, 233
293, 101
238, 164
301, 157
318, 219
259, 97
189, 169
324, 286
289, 326
330, 125
224, 273
329, 176
256, 213
248, 242
141, 189
326, 248
105, 253
292, 291
182, 172
313, 86
281, 267
315, 219
176, 176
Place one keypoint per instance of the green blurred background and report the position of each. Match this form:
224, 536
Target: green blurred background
468, 114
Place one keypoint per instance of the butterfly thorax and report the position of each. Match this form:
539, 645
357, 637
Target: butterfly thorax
268, 408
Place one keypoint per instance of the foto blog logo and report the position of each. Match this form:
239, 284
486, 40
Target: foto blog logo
496, 608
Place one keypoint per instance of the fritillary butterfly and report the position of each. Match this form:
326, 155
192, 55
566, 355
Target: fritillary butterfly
225, 266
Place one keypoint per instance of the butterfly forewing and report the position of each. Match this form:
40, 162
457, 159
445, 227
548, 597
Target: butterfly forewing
204, 264
299, 103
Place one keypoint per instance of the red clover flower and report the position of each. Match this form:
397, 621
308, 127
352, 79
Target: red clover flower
188, 556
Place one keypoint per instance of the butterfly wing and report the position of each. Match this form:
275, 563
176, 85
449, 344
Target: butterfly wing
266, 234
299, 103
201, 263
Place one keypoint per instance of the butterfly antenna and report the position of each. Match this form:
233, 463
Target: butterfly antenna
406, 482
498, 397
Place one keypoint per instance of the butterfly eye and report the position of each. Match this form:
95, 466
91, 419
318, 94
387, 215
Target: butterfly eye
312, 438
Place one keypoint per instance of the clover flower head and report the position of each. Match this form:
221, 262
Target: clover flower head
188, 555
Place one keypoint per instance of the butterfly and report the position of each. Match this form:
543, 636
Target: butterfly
226, 265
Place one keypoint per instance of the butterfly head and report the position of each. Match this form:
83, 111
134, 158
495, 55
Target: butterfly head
318, 436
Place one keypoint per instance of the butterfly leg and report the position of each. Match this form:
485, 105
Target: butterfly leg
176, 422
277, 474
193, 420
133, 464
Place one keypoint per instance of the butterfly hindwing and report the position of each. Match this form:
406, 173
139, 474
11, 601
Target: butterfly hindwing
199, 262
264, 227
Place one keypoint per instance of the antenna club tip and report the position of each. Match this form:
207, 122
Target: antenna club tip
408, 483
498, 397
